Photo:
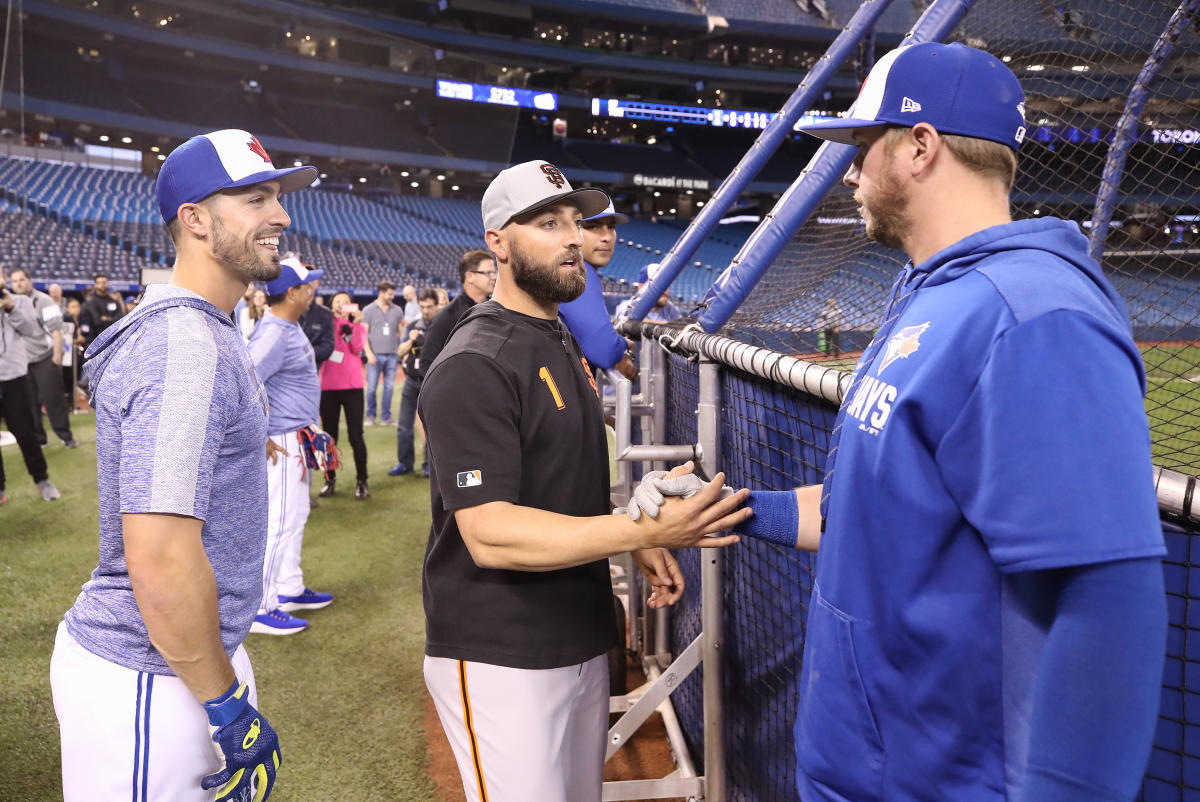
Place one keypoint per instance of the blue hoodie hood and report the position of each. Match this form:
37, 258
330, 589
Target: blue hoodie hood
1058, 238
157, 298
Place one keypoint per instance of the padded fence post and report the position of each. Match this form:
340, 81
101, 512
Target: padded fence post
1127, 134
759, 154
824, 170
712, 593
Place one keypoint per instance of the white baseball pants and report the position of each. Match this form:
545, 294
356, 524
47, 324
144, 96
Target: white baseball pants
521, 734
287, 512
128, 735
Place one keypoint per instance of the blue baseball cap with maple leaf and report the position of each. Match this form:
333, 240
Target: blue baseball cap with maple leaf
220, 160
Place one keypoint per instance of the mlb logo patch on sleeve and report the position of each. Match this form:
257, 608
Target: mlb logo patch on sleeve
470, 479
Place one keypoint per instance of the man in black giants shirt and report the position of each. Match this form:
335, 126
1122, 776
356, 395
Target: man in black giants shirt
518, 602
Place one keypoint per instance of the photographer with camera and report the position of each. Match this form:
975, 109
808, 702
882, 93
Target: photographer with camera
415, 363
342, 387
18, 321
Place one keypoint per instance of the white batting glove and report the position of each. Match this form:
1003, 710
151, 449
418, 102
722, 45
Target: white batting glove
651, 493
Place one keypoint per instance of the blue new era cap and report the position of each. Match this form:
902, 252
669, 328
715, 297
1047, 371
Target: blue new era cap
292, 273
220, 160
955, 88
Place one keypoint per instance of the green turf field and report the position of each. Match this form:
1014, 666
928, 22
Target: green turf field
346, 695
1173, 404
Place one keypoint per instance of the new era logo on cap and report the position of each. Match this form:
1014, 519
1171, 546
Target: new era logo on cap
963, 91
219, 160
525, 188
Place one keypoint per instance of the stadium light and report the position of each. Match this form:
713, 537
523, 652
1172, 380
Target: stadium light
104, 137
161, 157
404, 173
441, 178
127, 140
1080, 68
297, 163
1036, 67
324, 175
362, 180
454, 188
154, 148
415, 184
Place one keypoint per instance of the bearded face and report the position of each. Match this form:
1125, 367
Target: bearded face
885, 206
558, 279
244, 255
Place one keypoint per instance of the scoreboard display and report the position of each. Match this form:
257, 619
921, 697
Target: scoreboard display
691, 115
497, 95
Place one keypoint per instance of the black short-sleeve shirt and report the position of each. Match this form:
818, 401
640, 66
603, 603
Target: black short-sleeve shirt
511, 413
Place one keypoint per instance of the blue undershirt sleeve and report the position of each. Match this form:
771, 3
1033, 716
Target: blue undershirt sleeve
587, 319
1096, 695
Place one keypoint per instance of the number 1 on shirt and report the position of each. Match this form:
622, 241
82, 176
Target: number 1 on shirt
544, 375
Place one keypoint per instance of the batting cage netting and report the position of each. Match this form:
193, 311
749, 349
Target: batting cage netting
1112, 143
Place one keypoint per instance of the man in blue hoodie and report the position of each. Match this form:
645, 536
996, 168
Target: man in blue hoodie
988, 619
154, 693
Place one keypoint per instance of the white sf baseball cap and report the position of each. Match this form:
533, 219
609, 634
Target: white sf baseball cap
525, 188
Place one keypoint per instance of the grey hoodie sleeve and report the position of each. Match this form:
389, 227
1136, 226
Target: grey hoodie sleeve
22, 317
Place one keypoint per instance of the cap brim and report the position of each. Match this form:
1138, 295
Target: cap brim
313, 275
588, 200
616, 217
290, 179
840, 130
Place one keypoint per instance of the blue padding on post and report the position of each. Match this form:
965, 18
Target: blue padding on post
760, 152
826, 168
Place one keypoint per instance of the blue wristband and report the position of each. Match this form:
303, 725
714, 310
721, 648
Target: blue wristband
776, 517
229, 705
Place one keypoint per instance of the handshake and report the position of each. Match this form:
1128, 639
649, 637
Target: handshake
650, 495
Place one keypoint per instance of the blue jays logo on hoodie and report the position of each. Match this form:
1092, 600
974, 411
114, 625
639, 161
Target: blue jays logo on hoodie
872, 399
902, 345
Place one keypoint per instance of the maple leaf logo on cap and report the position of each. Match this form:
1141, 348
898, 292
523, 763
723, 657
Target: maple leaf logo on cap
257, 148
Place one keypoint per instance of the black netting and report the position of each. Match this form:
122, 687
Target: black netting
1174, 771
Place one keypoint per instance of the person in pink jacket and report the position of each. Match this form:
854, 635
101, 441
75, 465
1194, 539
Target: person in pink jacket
342, 388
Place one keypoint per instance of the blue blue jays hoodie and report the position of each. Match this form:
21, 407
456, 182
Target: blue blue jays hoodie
995, 426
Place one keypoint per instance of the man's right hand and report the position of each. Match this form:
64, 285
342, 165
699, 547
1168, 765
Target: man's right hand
371, 360
274, 450
626, 367
247, 745
688, 522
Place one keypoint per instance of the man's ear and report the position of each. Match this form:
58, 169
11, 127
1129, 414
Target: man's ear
195, 219
497, 243
927, 146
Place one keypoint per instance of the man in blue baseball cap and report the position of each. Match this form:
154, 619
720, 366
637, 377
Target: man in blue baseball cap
663, 311
284, 360
988, 619
149, 673
586, 316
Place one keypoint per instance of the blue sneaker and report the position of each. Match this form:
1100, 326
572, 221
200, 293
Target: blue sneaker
399, 469
308, 600
277, 622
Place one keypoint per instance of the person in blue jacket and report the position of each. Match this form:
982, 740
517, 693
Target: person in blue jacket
988, 617
587, 316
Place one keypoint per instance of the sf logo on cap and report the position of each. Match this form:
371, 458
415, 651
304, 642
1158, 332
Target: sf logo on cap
554, 175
